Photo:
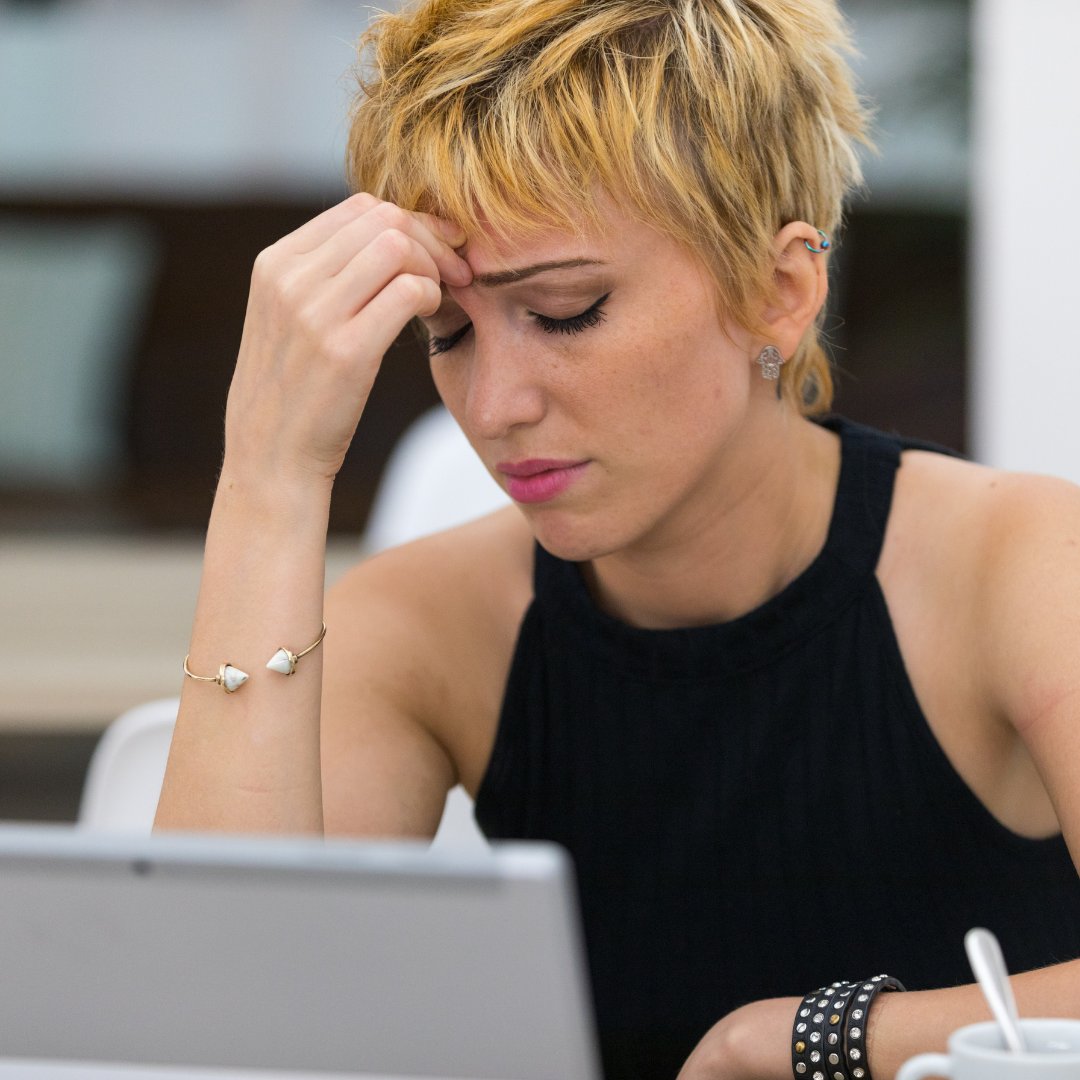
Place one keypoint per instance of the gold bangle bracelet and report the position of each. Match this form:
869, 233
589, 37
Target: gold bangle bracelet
231, 678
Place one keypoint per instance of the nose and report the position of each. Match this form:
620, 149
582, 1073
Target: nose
503, 390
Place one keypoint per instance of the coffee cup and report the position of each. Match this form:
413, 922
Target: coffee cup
979, 1052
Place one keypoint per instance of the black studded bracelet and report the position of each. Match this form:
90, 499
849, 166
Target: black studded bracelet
828, 1039
817, 1034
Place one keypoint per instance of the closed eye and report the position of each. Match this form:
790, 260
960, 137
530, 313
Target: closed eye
593, 316
438, 345
574, 324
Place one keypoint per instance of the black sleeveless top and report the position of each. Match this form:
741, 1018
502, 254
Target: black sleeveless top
757, 808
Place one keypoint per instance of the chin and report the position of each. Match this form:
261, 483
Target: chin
575, 538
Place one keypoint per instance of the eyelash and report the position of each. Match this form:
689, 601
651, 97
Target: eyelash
593, 316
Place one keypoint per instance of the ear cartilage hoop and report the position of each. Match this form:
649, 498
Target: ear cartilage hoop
826, 243
284, 661
771, 361
229, 678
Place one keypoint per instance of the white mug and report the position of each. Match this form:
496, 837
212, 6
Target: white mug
978, 1052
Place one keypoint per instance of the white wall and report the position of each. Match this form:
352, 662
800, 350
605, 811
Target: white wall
160, 97
1025, 390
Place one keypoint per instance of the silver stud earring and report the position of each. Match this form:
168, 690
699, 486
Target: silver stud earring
771, 361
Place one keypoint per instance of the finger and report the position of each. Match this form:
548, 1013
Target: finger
389, 255
375, 328
448, 236
315, 232
450, 232
339, 250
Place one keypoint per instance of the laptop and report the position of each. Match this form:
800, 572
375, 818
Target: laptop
301, 956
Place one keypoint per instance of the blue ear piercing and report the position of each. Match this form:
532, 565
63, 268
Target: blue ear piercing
826, 243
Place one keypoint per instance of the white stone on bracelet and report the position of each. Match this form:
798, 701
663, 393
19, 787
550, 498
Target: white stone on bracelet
232, 678
229, 678
284, 661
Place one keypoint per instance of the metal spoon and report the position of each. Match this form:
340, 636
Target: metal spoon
984, 955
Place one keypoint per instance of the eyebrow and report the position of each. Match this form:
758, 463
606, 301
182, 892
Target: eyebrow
508, 277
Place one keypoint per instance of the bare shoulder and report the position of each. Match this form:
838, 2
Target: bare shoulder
992, 555
981, 574
450, 576
928, 566
1030, 596
976, 515
423, 636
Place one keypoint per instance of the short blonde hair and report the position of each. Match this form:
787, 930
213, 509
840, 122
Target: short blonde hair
715, 121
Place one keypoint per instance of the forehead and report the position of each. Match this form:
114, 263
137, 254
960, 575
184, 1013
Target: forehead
618, 240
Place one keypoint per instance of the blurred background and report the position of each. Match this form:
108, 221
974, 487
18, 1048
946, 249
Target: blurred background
148, 151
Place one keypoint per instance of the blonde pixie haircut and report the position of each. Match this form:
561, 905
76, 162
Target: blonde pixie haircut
714, 121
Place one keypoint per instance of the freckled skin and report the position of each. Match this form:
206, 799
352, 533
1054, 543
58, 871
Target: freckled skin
652, 396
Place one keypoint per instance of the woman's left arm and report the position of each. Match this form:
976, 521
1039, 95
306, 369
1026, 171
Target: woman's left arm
754, 1042
1029, 661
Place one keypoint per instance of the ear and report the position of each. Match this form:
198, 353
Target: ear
800, 287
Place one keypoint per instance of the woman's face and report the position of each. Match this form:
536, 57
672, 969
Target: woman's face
593, 376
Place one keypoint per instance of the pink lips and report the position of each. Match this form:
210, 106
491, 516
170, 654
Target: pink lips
540, 479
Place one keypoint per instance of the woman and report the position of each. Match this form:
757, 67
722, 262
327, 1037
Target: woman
798, 698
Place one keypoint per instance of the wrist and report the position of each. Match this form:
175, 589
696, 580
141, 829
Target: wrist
264, 566
278, 499
831, 1034
903, 1025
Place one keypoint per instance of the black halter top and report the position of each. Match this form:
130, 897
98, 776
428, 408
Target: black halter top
757, 808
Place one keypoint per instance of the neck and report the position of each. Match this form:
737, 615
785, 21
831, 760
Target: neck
755, 523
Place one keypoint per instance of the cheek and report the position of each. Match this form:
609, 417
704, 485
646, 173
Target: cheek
688, 384
448, 383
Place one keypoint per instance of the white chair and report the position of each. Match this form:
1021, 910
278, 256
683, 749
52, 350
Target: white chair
123, 782
432, 481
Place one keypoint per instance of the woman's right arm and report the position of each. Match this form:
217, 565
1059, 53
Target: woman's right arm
326, 303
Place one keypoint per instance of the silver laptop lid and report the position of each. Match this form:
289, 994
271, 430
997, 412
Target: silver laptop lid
302, 955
